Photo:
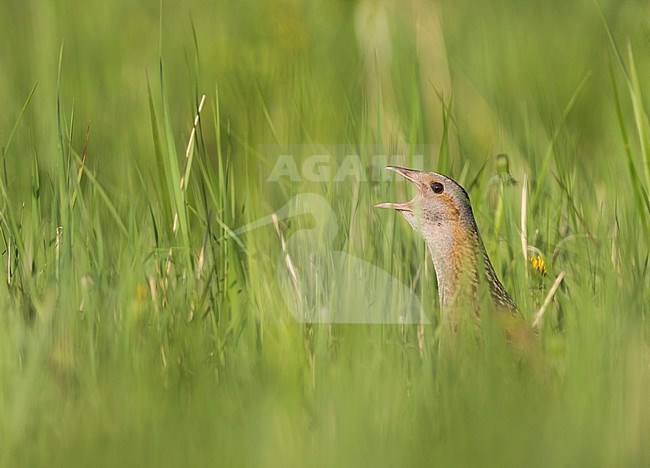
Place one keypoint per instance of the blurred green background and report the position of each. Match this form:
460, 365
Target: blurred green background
134, 333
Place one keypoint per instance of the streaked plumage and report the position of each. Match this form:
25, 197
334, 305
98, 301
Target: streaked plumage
441, 212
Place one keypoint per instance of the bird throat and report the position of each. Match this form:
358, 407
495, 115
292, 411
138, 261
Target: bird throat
464, 272
456, 254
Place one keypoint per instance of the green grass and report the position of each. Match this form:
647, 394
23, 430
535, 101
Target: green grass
129, 339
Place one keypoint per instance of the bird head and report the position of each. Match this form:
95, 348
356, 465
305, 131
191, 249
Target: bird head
439, 203
442, 214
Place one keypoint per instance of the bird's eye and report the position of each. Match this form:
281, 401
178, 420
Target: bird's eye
437, 187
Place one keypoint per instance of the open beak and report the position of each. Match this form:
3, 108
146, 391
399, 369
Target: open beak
411, 175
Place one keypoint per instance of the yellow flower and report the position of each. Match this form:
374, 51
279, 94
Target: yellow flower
537, 264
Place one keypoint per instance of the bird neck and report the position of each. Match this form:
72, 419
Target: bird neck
455, 252
462, 266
